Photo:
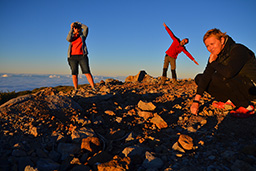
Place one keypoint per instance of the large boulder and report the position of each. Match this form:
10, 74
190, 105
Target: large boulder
45, 103
142, 76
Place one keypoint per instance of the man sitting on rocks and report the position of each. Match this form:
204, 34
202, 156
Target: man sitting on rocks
229, 76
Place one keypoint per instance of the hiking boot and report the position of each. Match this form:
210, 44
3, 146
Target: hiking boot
163, 79
174, 75
242, 112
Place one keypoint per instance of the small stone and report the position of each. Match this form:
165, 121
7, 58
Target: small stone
87, 143
110, 112
211, 157
186, 142
146, 106
19, 153
119, 119
158, 121
145, 114
177, 147
152, 161
33, 131
47, 164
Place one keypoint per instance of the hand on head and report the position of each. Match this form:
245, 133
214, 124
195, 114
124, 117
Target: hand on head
72, 24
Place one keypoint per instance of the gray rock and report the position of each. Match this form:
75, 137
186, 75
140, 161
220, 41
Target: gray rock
240, 165
16, 100
54, 155
18, 153
56, 102
23, 162
152, 161
81, 133
47, 164
133, 151
41, 153
67, 149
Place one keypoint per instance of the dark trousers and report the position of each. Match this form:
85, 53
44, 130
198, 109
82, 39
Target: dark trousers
240, 90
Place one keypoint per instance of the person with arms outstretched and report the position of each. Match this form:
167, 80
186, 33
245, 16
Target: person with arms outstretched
77, 53
176, 47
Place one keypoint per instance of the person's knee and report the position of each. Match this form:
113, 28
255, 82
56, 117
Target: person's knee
252, 91
198, 78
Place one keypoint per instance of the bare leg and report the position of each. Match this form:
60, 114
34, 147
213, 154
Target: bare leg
90, 79
75, 81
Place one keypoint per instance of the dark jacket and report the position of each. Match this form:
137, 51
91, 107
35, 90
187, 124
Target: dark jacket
235, 60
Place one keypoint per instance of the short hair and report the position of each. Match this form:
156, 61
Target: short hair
76, 25
216, 32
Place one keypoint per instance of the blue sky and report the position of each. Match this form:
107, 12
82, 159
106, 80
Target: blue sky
125, 36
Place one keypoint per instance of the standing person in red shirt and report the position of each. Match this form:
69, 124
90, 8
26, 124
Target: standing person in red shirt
171, 54
77, 53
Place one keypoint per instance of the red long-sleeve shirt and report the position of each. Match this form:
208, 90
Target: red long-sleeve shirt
175, 47
77, 46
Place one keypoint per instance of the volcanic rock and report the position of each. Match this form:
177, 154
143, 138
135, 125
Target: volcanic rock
142, 76
146, 106
186, 142
136, 125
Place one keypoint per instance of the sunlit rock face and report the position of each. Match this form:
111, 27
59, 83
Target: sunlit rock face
138, 124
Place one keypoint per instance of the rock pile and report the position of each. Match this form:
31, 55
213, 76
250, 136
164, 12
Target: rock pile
135, 125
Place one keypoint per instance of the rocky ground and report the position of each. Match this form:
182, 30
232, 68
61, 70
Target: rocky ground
138, 124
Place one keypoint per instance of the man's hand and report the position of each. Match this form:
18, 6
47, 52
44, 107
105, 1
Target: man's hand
194, 108
195, 105
195, 62
165, 25
212, 58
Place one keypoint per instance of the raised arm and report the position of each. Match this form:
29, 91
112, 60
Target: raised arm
70, 33
170, 32
85, 30
69, 37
